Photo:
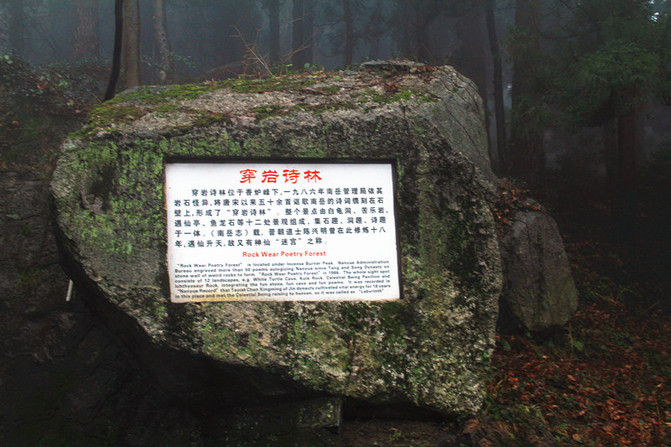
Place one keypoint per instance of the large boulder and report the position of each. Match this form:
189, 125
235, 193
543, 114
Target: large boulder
539, 293
429, 350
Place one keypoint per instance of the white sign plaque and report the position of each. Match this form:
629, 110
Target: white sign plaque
281, 231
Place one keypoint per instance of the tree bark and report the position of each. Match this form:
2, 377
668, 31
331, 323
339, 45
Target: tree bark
626, 210
162, 42
404, 33
423, 51
526, 159
297, 42
379, 25
499, 109
131, 44
349, 32
308, 30
116, 56
274, 38
610, 156
471, 52
425, 13
85, 30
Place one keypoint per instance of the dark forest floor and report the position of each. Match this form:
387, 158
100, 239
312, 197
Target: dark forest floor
604, 380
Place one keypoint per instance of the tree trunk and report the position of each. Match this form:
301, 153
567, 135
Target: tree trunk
162, 42
423, 46
349, 32
626, 210
131, 44
471, 52
116, 56
610, 156
85, 30
526, 159
17, 26
499, 109
308, 30
376, 22
274, 18
425, 13
297, 42
406, 20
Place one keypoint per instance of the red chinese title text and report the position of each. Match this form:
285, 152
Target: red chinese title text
271, 176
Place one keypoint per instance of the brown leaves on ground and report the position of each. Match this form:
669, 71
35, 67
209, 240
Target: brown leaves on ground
606, 380
511, 200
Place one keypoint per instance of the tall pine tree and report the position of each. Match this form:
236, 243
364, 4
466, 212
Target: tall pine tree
615, 58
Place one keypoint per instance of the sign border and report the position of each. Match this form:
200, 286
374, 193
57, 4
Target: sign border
215, 159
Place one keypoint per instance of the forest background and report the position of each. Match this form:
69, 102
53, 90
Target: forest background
578, 96
578, 88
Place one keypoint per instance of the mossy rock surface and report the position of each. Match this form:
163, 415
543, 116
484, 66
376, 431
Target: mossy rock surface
429, 350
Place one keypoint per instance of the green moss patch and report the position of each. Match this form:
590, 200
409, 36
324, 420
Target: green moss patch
108, 117
393, 95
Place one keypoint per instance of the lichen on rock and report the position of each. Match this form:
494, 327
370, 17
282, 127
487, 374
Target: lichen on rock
429, 350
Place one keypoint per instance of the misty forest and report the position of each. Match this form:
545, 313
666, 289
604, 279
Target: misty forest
576, 99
